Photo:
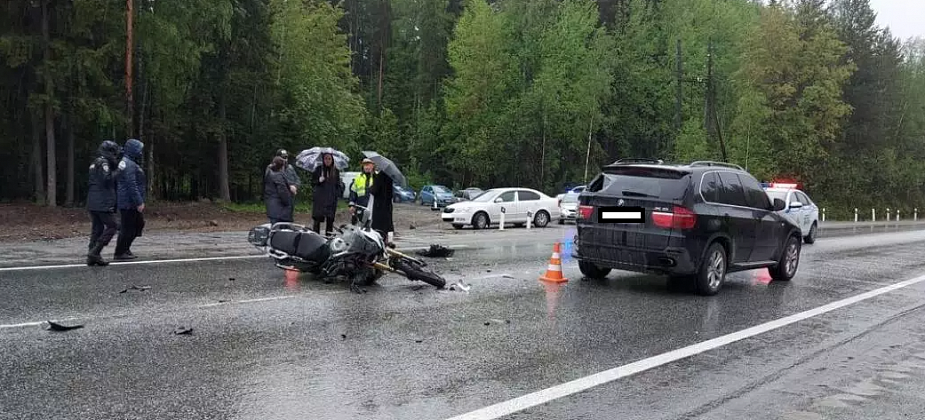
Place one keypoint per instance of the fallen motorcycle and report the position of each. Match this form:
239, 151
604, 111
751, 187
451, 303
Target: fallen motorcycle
356, 252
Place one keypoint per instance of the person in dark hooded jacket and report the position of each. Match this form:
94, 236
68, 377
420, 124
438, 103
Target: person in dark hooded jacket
131, 198
276, 192
101, 200
382, 191
327, 188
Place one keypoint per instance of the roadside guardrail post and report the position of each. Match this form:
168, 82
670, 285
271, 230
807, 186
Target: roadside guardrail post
501, 223
873, 215
855, 215
823, 214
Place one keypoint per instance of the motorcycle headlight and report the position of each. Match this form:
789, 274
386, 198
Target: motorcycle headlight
338, 245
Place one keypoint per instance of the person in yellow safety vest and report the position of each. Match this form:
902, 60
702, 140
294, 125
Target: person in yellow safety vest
359, 190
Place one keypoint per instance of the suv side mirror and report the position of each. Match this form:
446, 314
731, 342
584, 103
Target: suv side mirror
499, 200
779, 204
796, 205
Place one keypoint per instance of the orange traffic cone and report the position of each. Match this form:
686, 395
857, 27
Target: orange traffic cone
554, 271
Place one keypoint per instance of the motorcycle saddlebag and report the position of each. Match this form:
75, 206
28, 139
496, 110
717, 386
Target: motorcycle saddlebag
259, 235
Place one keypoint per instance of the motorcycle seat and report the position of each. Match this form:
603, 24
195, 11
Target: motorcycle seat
306, 245
286, 241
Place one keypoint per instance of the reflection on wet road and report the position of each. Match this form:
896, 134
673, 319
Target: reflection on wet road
267, 344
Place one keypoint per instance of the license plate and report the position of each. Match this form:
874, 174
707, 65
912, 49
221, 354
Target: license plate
460, 220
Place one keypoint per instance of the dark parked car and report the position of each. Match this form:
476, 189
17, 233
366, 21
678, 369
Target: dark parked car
699, 221
468, 194
402, 195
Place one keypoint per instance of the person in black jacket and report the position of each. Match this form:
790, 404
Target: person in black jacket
327, 188
132, 189
276, 192
101, 201
382, 191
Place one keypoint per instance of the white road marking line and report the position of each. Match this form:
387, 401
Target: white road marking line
208, 305
32, 324
573, 387
180, 260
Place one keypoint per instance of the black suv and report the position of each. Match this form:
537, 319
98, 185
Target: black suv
700, 220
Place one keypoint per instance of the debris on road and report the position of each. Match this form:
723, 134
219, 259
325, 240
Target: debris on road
58, 327
139, 288
437, 251
183, 331
461, 286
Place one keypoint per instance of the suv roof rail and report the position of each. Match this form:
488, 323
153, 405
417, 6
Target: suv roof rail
713, 163
637, 160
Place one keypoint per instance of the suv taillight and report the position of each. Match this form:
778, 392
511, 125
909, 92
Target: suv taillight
585, 212
682, 218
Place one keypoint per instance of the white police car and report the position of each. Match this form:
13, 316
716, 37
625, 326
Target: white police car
799, 208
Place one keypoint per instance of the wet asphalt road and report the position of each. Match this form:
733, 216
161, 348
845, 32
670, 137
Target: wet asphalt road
265, 346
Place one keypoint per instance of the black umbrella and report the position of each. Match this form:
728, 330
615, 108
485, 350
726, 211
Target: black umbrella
388, 167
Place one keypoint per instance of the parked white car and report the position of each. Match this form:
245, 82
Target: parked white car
568, 207
576, 190
518, 205
799, 208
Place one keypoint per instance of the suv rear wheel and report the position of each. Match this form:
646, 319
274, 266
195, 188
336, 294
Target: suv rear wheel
592, 271
789, 261
712, 272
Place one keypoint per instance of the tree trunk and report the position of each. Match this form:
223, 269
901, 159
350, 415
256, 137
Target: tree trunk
37, 158
152, 180
69, 126
129, 57
224, 190
49, 113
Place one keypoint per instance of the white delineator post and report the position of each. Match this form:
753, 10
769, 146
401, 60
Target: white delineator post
855, 215
897, 215
529, 218
915, 217
873, 215
501, 223
823, 214
887, 215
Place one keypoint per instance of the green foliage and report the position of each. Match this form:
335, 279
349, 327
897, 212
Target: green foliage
470, 92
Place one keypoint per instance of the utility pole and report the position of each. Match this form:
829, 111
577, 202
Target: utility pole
129, 46
711, 123
678, 117
708, 98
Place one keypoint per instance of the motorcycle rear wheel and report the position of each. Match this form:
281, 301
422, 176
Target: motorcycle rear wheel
416, 271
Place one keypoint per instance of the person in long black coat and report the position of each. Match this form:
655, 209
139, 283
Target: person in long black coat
276, 193
327, 188
382, 191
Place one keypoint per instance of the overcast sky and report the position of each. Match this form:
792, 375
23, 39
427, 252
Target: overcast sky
906, 18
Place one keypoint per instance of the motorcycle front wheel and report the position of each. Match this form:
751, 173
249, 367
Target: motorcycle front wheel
415, 271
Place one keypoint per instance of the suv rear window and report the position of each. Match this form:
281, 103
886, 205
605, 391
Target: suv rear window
632, 181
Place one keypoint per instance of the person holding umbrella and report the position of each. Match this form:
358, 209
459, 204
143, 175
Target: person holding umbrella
382, 189
327, 188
